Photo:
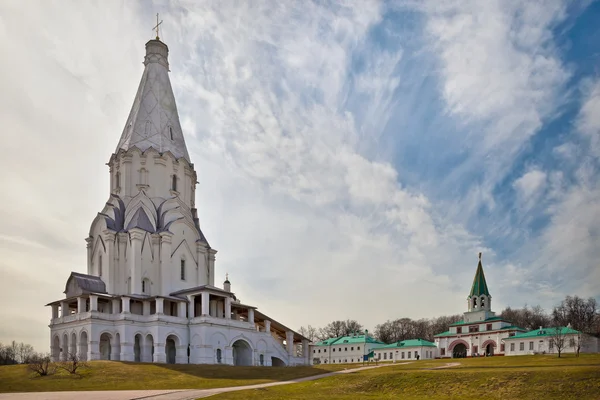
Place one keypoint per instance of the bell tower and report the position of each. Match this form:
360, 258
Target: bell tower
479, 301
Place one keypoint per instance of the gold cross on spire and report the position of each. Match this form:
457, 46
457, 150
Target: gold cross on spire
479, 256
156, 27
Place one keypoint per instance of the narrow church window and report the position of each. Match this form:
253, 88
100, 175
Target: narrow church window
482, 302
100, 265
219, 356
143, 286
474, 302
118, 180
171, 132
174, 183
183, 270
262, 359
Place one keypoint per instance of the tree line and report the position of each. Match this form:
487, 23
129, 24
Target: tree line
581, 314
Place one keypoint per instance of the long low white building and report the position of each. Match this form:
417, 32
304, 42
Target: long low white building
543, 340
343, 349
412, 349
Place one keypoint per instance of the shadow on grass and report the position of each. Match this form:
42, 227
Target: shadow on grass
241, 373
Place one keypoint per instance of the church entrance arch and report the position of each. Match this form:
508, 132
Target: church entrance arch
489, 347
148, 349
73, 346
459, 351
83, 346
137, 348
105, 347
242, 353
65, 348
171, 348
56, 349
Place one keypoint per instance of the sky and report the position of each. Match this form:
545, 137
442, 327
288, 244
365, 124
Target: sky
353, 157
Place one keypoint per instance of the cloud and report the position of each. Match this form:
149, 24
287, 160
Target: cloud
530, 186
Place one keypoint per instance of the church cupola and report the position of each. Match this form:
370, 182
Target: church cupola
479, 298
227, 284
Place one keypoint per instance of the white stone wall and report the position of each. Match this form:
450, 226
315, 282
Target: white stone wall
480, 339
204, 339
537, 345
345, 353
406, 353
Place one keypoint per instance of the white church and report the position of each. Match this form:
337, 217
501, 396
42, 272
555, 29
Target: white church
149, 293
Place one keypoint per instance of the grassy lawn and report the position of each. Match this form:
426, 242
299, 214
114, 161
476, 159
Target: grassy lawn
114, 375
526, 377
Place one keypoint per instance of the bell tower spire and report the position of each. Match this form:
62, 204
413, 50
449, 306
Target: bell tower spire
479, 298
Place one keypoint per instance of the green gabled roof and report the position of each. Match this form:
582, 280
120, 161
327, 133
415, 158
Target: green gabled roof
348, 340
447, 333
407, 343
479, 285
543, 332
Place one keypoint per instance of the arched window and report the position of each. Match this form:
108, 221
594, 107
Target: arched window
145, 286
482, 301
100, 265
171, 132
218, 356
262, 359
474, 302
118, 180
183, 270
174, 183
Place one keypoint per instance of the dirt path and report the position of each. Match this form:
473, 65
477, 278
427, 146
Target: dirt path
183, 394
448, 365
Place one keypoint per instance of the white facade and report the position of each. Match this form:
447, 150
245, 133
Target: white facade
536, 342
408, 353
343, 350
149, 293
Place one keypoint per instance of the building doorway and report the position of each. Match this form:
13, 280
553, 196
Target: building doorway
171, 350
105, 347
242, 353
459, 351
489, 350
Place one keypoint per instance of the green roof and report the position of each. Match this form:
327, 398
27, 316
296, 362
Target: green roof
348, 340
407, 343
543, 332
447, 333
479, 285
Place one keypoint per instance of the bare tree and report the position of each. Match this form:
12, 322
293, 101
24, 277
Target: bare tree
41, 364
339, 328
72, 363
25, 351
310, 333
527, 318
580, 314
558, 338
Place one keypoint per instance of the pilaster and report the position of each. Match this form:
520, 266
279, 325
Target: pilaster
109, 270
165, 277
211, 266
289, 340
160, 305
135, 260
93, 302
228, 308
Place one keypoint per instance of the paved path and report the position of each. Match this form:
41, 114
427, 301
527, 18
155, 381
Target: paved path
184, 394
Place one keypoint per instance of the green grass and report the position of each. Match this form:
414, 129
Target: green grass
524, 377
114, 375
